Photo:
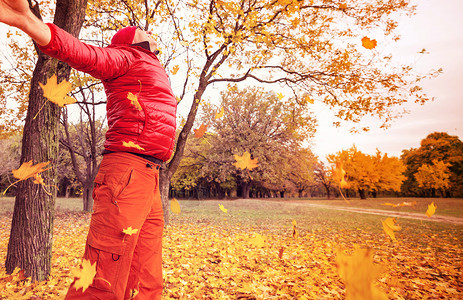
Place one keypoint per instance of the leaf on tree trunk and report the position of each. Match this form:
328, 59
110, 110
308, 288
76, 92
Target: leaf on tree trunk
27, 170
57, 93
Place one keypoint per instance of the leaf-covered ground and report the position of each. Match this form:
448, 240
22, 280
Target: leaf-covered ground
251, 252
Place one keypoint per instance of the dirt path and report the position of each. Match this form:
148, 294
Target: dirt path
406, 215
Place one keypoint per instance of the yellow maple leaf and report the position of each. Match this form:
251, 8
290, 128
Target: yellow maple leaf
358, 272
129, 230
257, 240
245, 161
84, 275
28, 170
57, 93
219, 114
390, 226
200, 131
367, 43
175, 206
280, 96
175, 69
132, 145
431, 209
340, 175
222, 208
134, 101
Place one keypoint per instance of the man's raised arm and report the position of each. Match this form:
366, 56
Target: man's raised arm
17, 13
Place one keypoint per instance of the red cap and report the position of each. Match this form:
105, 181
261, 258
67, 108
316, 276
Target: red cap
124, 36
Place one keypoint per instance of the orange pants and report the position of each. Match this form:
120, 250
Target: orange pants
126, 194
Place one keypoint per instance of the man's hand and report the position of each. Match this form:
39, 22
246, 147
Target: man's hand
17, 13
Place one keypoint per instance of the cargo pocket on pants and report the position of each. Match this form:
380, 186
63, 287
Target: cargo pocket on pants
107, 251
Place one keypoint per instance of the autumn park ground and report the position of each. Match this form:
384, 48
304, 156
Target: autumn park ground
251, 251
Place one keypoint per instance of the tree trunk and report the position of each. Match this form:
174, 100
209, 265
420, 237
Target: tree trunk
31, 237
363, 194
87, 197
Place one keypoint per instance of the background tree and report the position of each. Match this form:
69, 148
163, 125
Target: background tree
434, 177
367, 173
31, 235
85, 140
438, 146
323, 177
10, 149
258, 122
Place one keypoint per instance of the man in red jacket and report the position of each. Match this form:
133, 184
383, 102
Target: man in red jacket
125, 234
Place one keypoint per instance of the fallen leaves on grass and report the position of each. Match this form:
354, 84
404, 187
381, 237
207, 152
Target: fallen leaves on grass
206, 257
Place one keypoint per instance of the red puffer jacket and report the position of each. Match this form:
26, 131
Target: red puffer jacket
125, 69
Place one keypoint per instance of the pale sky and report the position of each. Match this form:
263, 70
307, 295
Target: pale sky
437, 28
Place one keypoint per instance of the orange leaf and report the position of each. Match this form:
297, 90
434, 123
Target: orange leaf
132, 145
280, 252
134, 101
85, 275
200, 131
57, 93
358, 272
175, 69
245, 161
367, 43
27, 170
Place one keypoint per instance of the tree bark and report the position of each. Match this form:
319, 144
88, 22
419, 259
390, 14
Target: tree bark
31, 237
363, 194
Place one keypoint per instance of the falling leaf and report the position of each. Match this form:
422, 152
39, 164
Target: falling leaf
27, 170
223, 208
295, 233
219, 114
175, 206
133, 293
129, 230
339, 174
175, 69
245, 161
134, 101
57, 93
389, 226
358, 272
132, 145
200, 131
184, 43
257, 240
367, 43
431, 209
280, 96
84, 275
